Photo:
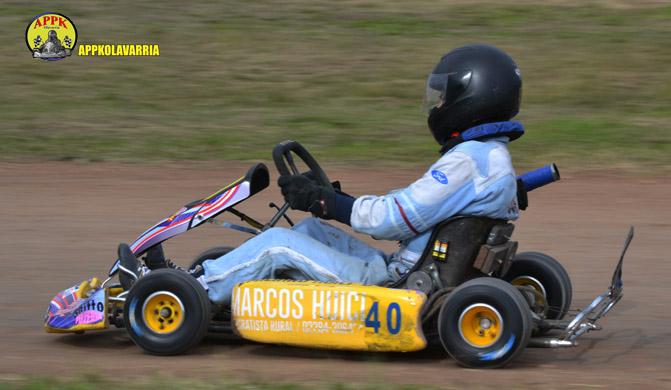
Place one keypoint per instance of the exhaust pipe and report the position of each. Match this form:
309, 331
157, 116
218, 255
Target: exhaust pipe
550, 343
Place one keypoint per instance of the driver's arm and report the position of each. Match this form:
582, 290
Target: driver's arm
444, 190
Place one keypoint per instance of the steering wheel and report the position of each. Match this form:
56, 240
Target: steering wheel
283, 151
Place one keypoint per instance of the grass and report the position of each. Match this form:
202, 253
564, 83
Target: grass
90, 382
344, 78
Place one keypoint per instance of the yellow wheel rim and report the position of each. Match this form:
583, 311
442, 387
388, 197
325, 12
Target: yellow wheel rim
480, 325
525, 280
163, 312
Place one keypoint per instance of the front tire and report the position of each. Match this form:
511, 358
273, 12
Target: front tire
484, 323
167, 312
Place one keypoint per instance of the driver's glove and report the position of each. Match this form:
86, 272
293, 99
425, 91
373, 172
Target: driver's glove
303, 194
310, 175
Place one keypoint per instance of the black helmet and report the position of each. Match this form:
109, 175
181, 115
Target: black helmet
471, 85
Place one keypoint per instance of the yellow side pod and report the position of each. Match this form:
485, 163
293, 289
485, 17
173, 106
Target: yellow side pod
329, 315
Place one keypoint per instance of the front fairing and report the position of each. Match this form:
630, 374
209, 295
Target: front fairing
79, 308
199, 211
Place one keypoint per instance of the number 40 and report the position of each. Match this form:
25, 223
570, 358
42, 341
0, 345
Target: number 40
372, 319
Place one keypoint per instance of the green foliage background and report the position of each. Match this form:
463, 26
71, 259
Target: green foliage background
345, 78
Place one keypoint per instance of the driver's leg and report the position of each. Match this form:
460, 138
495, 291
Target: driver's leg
336, 238
278, 251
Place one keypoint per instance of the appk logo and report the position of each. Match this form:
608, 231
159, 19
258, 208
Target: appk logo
51, 36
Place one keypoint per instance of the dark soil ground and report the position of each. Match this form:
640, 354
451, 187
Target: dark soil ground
61, 223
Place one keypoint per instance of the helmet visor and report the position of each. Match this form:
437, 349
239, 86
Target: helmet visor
444, 88
436, 85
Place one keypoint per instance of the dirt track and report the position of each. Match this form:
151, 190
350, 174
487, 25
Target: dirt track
61, 223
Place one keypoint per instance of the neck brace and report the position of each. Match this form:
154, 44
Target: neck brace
511, 129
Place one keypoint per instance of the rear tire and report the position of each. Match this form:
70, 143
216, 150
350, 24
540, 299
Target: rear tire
547, 276
484, 323
167, 312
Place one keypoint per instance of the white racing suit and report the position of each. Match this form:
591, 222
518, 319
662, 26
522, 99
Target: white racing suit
474, 178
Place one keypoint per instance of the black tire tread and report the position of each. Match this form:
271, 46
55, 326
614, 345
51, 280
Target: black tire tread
209, 254
520, 303
167, 279
552, 265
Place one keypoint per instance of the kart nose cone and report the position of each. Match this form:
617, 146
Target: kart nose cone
78, 308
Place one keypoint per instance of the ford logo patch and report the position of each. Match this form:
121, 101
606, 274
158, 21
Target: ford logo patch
439, 176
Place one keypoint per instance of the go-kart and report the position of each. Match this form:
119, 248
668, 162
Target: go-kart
469, 291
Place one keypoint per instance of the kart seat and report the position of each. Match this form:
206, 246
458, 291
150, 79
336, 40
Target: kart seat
462, 248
